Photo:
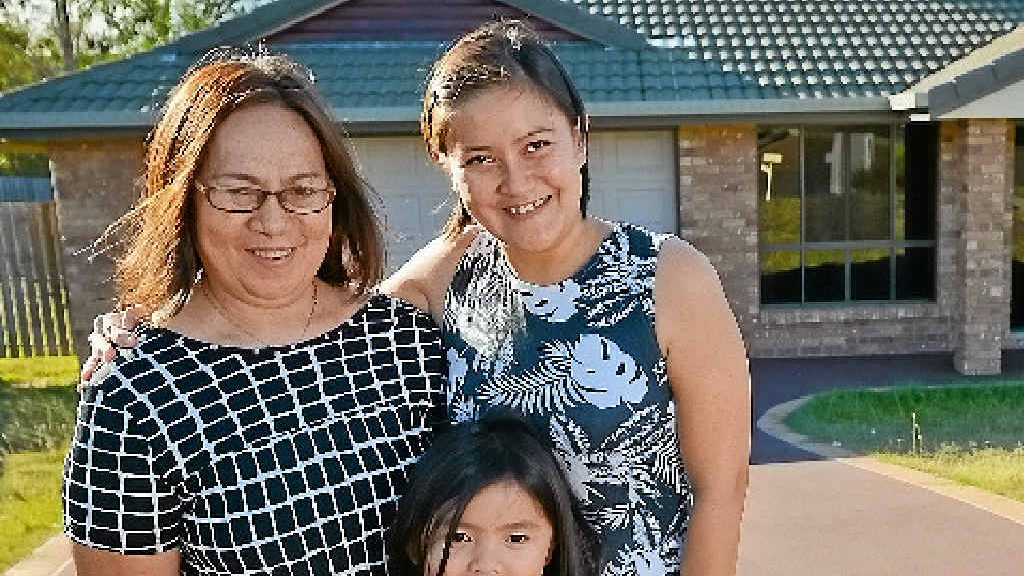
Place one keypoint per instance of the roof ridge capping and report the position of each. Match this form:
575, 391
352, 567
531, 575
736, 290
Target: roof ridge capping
980, 72
261, 21
579, 21
279, 14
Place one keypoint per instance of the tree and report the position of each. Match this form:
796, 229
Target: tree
137, 25
24, 61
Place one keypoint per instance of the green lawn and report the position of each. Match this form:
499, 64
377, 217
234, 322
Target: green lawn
39, 371
37, 415
30, 502
970, 432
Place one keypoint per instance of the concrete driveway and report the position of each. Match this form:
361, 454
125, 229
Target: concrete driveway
807, 515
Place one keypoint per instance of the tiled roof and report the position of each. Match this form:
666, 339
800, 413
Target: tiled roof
715, 57
819, 48
386, 75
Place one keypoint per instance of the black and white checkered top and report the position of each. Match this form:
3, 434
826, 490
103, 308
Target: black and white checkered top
279, 460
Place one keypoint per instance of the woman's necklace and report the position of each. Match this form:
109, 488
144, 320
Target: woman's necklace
259, 341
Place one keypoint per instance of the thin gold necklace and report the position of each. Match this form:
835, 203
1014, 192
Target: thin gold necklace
259, 341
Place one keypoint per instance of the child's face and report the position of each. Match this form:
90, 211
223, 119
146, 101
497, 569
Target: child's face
503, 531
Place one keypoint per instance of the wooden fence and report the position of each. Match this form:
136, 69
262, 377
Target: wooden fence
34, 318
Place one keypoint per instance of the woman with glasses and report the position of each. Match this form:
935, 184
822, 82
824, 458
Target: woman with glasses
267, 418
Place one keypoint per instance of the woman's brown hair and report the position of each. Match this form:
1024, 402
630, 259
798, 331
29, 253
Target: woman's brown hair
495, 54
160, 263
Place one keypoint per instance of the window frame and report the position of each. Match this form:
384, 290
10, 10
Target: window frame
896, 128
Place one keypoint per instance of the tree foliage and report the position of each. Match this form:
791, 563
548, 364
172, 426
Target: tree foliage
33, 43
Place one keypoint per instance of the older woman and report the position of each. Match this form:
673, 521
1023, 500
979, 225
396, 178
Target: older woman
266, 423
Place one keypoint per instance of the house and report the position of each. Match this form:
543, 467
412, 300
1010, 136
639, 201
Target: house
850, 168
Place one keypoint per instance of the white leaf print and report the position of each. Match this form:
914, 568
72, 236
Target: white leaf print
571, 447
650, 553
548, 387
625, 281
557, 303
606, 375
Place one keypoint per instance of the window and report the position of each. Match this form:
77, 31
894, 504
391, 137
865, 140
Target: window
847, 214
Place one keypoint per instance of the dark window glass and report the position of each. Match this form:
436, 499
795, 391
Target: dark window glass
824, 185
870, 274
916, 273
916, 183
781, 277
852, 198
868, 165
824, 276
1017, 248
779, 186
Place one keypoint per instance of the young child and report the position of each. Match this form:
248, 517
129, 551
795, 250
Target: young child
489, 496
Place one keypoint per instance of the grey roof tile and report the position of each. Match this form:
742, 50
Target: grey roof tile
699, 49
761, 38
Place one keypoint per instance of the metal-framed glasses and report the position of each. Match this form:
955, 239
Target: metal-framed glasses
245, 199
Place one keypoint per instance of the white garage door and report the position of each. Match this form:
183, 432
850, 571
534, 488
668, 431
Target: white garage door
414, 193
633, 178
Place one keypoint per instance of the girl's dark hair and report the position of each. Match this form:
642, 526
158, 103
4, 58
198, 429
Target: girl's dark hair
467, 459
501, 53
159, 262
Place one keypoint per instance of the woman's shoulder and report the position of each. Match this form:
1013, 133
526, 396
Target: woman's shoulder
390, 308
135, 372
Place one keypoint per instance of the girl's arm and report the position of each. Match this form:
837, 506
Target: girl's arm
93, 562
708, 372
424, 279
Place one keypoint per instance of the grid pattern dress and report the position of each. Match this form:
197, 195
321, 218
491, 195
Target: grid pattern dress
279, 460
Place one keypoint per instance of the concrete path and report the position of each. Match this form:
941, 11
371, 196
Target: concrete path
811, 515
828, 518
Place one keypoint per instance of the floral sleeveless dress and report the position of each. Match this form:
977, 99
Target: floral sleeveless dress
580, 360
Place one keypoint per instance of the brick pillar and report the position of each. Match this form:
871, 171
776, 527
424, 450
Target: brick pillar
984, 258
94, 182
719, 208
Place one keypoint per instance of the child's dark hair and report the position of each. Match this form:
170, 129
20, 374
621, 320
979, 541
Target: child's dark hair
496, 54
463, 462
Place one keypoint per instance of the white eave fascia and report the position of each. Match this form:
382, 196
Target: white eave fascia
668, 109
407, 114
909, 100
738, 107
85, 120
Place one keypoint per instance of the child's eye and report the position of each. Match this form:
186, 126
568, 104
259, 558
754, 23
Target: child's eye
477, 159
537, 145
519, 538
461, 536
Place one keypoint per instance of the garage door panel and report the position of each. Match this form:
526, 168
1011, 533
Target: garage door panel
633, 175
633, 178
410, 189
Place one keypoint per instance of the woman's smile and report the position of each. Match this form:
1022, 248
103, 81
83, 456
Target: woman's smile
529, 207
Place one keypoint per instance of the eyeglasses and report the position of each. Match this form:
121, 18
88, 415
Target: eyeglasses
245, 199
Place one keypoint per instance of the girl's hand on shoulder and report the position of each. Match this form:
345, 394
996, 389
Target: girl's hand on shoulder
111, 331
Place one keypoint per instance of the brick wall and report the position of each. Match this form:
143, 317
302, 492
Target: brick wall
983, 255
719, 207
94, 184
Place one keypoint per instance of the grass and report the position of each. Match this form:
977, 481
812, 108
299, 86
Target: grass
998, 470
37, 418
969, 432
39, 371
30, 506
